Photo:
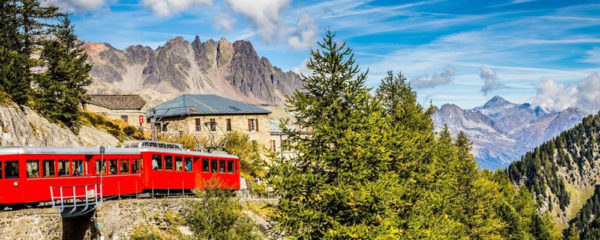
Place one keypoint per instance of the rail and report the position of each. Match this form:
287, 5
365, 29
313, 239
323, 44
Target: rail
76, 200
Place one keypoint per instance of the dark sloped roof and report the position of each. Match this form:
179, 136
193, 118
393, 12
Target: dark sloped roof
204, 104
117, 102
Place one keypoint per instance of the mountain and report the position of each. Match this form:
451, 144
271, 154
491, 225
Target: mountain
563, 174
502, 131
217, 67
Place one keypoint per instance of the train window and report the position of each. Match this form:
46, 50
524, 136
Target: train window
100, 167
135, 166
168, 162
33, 168
188, 164
78, 168
178, 163
112, 166
11, 169
213, 165
48, 168
63, 167
205, 166
124, 166
222, 166
156, 162
230, 166
0, 170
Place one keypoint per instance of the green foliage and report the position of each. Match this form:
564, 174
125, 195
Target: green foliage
586, 224
22, 23
61, 88
252, 164
159, 226
116, 128
373, 168
217, 214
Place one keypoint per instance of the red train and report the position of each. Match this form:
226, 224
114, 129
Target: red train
28, 174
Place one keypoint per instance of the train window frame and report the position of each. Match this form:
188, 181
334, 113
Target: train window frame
135, 164
222, 166
205, 165
188, 167
214, 166
113, 162
67, 167
27, 167
121, 165
52, 164
1, 172
168, 164
230, 166
179, 159
6, 164
83, 171
101, 167
158, 161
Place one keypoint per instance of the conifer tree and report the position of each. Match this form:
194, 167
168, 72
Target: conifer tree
337, 187
62, 86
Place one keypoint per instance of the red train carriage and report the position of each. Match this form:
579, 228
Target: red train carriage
27, 174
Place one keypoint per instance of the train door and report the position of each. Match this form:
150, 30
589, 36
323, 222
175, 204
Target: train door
12, 172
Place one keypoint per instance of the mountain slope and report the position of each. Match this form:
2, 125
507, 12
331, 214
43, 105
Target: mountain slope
563, 172
217, 67
502, 131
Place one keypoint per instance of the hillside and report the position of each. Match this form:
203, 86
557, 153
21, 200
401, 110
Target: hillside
502, 131
233, 70
563, 172
24, 127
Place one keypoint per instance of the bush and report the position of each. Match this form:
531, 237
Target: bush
130, 130
217, 214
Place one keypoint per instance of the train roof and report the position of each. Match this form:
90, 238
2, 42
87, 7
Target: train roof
96, 150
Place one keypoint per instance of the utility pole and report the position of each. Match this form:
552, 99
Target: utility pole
153, 123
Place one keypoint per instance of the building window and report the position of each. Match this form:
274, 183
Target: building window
213, 125
256, 123
229, 125
198, 125
251, 125
284, 145
273, 145
124, 118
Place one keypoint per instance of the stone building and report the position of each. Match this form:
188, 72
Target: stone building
128, 108
210, 116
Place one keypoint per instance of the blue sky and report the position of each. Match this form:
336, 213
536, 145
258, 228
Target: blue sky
462, 52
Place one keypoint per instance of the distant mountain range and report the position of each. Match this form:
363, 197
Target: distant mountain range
502, 131
217, 67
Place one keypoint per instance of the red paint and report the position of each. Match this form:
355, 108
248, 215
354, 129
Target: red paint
176, 178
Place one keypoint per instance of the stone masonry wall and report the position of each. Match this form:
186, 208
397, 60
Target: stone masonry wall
31, 224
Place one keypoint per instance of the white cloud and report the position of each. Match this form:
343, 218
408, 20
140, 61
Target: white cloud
593, 56
225, 21
302, 69
490, 80
78, 6
264, 15
557, 97
303, 36
435, 79
170, 7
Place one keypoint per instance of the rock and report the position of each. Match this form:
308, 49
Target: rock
20, 126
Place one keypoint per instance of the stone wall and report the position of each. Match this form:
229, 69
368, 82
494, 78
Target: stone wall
31, 224
119, 219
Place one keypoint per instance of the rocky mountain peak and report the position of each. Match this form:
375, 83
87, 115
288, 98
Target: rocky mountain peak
496, 102
231, 70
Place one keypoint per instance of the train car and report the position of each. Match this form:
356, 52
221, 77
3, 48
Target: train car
37, 174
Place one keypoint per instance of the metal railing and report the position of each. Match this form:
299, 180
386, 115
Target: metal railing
76, 200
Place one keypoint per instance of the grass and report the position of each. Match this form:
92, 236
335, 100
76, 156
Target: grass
578, 198
118, 128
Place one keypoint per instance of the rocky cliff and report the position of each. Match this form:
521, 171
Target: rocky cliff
502, 131
23, 127
217, 67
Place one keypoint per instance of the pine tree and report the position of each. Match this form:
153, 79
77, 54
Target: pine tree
337, 187
60, 89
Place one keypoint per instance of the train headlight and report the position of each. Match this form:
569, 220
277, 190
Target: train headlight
15, 183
